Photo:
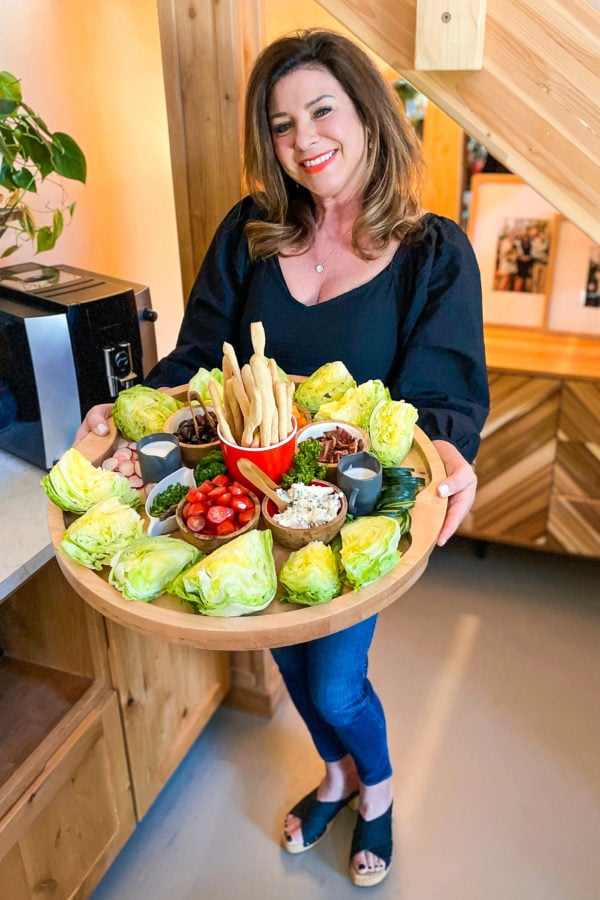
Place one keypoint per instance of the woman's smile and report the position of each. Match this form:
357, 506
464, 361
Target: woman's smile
318, 163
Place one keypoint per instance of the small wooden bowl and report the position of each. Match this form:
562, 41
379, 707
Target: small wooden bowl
191, 454
294, 538
318, 429
209, 542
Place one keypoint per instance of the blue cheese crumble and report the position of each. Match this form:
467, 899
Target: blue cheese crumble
311, 505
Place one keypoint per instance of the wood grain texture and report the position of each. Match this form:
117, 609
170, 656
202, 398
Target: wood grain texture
450, 35
515, 462
574, 525
66, 829
167, 693
535, 104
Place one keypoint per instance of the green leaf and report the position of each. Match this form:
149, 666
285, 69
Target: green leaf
9, 250
10, 88
68, 157
7, 107
38, 151
24, 179
58, 224
27, 221
46, 239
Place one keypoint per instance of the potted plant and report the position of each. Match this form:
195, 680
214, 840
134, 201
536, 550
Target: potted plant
29, 154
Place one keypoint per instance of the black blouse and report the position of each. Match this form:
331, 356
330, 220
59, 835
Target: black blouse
417, 325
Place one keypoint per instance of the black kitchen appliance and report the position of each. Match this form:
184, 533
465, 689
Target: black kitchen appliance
69, 339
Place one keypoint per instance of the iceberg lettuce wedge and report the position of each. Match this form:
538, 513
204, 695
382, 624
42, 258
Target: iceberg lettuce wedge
94, 538
234, 580
310, 575
355, 405
392, 427
144, 568
142, 410
329, 382
368, 548
75, 485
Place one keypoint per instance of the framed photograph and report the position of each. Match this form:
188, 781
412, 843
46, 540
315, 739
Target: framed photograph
575, 289
513, 232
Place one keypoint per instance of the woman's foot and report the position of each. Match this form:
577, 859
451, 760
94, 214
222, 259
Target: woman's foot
319, 808
366, 866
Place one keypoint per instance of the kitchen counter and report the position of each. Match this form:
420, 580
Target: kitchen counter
25, 540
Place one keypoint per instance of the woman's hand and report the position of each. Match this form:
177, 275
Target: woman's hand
95, 420
459, 486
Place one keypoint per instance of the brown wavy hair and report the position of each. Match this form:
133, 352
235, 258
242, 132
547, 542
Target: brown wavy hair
391, 207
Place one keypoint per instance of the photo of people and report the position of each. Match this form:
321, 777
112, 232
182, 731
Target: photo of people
592, 293
522, 253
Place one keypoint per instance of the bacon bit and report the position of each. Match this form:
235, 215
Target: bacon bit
337, 443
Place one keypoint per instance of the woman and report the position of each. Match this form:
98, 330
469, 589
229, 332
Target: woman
332, 253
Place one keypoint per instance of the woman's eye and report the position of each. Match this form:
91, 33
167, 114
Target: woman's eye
322, 111
281, 127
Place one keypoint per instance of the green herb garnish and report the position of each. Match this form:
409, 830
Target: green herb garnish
210, 465
305, 467
168, 498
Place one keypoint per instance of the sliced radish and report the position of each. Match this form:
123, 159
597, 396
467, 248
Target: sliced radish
126, 468
123, 453
135, 481
136, 467
111, 464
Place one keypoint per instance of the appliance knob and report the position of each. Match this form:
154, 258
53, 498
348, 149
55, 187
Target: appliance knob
148, 315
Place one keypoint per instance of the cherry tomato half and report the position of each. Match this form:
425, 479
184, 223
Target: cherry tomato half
221, 480
196, 523
217, 514
245, 515
226, 527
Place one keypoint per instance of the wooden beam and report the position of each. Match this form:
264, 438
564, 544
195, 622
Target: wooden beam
450, 34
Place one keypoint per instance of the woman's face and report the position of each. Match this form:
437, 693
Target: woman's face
317, 135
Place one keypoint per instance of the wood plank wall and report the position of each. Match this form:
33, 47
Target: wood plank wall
535, 104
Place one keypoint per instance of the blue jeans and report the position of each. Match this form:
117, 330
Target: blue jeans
327, 681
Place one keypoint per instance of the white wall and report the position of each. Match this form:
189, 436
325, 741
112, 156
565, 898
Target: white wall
93, 68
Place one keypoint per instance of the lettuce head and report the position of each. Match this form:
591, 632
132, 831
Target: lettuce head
75, 485
355, 405
199, 383
235, 579
144, 568
368, 548
329, 382
142, 410
310, 575
392, 427
94, 538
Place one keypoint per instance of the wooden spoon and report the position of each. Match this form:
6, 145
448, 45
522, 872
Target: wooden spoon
261, 481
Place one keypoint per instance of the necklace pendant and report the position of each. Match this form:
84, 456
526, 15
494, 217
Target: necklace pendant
319, 268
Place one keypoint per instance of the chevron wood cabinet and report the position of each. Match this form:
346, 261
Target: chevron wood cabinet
538, 466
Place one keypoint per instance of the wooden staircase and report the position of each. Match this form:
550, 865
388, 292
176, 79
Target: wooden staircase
535, 103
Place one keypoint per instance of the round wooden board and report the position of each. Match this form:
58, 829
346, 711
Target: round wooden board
280, 623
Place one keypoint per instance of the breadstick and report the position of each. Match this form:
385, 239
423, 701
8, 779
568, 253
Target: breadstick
226, 369
257, 336
229, 354
274, 374
236, 412
264, 387
219, 412
282, 405
240, 394
248, 381
253, 421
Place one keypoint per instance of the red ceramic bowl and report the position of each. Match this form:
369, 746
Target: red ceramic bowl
274, 461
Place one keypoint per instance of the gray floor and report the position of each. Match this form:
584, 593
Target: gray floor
489, 672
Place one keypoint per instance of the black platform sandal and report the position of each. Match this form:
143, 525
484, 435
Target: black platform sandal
317, 818
376, 837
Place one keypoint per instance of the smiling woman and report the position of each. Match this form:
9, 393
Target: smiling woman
334, 255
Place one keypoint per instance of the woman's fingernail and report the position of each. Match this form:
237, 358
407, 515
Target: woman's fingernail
101, 428
443, 490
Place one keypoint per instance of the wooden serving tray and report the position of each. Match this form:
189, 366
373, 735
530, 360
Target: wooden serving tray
281, 623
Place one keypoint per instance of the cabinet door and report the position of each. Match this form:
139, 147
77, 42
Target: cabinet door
574, 517
64, 832
515, 461
167, 693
